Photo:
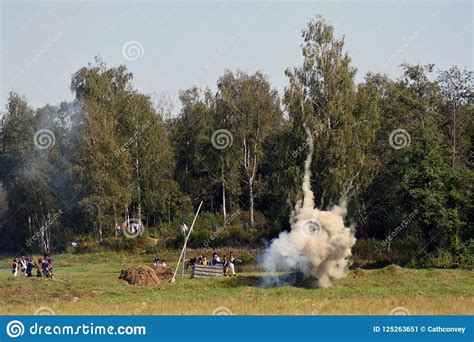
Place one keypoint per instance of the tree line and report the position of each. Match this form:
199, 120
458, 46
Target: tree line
401, 149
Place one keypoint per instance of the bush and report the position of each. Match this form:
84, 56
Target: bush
122, 243
466, 255
153, 250
85, 244
372, 253
210, 231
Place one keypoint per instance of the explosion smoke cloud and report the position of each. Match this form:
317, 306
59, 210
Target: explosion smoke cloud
318, 245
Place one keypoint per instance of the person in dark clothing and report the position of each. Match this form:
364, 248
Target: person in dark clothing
44, 267
39, 274
215, 259
29, 268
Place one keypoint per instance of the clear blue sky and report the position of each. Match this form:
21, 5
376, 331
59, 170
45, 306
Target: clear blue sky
191, 43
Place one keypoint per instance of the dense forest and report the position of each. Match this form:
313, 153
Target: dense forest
401, 149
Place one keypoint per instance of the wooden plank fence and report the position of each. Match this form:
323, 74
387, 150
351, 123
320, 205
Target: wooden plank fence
205, 271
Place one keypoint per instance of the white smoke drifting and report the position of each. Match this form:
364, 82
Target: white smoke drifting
318, 245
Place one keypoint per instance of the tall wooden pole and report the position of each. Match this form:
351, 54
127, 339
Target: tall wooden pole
184, 262
185, 243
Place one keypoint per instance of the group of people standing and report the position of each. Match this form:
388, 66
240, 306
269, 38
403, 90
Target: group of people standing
227, 264
43, 266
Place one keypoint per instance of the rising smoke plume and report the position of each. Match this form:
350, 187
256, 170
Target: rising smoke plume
318, 246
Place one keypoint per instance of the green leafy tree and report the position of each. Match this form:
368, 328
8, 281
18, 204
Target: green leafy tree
104, 177
151, 156
457, 87
195, 171
344, 118
252, 108
29, 173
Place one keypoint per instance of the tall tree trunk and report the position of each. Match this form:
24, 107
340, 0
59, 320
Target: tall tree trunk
139, 190
252, 219
186, 186
250, 166
115, 221
454, 137
99, 223
30, 232
223, 192
44, 230
127, 218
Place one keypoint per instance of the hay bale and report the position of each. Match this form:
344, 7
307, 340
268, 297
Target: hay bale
142, 275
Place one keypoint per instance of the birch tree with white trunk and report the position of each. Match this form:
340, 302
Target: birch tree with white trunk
254, 111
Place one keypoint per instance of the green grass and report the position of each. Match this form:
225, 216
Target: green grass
89, 284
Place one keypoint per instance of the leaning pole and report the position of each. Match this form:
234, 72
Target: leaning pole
185, 243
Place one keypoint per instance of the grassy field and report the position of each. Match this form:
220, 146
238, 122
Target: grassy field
89, 284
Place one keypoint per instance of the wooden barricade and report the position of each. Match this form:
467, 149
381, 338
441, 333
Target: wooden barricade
205, 271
